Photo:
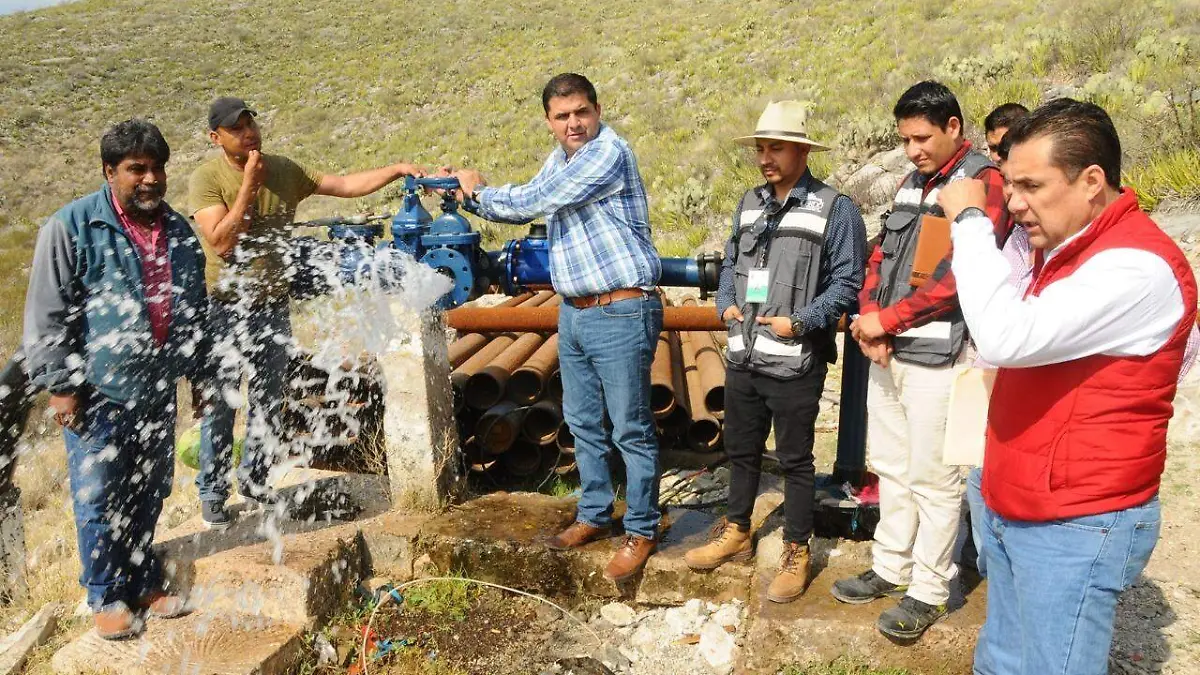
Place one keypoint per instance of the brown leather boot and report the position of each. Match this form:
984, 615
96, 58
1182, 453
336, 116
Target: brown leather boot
117, 622
630, 558
726, 542
577, 535
792, 580
164, 605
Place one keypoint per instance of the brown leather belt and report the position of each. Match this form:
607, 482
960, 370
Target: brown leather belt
585, 301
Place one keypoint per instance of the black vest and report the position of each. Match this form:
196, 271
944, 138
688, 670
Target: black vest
791, 237
939, 342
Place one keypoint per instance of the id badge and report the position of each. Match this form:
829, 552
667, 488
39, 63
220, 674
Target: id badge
758, 284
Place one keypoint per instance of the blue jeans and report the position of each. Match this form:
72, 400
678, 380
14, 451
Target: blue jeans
978, 513
120, 465
255, 343
1053, 589
604, 355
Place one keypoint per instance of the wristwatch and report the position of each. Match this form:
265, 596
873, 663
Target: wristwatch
797, 327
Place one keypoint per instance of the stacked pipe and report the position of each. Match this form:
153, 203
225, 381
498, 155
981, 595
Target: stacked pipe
508, 389
333, 417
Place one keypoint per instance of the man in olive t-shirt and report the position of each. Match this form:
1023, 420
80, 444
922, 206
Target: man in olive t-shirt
243, 202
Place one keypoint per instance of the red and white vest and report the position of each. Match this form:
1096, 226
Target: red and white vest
1088, 436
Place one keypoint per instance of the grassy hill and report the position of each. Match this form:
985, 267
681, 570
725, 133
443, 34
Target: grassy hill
351, 85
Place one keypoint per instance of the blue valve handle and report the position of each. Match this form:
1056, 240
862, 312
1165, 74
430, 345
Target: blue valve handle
431, 182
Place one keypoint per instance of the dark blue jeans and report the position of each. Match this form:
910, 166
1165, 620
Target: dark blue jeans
120, 464
604, 355
256, 343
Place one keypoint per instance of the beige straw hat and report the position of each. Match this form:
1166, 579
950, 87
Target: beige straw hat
783, 121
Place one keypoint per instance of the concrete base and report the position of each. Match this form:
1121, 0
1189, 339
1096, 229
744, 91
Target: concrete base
12, 547
501, 538
419, 432
257, 587
198, 643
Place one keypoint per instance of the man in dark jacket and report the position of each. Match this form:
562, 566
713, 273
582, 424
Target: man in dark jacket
113, 318
793, 266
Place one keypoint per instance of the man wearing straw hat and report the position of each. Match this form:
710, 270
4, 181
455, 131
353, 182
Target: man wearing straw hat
793, 265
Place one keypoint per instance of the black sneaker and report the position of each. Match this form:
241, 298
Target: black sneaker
215, 516
910, 619
864, 588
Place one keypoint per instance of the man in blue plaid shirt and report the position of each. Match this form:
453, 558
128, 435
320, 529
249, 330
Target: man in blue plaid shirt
604, 264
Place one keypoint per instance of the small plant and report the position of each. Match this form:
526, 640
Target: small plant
452, 599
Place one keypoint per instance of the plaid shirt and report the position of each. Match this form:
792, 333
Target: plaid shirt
598, 220
937, 296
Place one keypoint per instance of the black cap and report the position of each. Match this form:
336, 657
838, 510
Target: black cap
225, 111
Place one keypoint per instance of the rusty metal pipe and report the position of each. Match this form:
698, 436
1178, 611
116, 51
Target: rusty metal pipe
662, 387
528, 383
526, 319
705, 431
542, 421
676, 424
564, 439
498, 428
485, 388
554, 386
523, 459
462, 348
712, 372
478, 361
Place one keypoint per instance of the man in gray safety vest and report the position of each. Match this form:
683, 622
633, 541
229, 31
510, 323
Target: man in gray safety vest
913, 331
793, 265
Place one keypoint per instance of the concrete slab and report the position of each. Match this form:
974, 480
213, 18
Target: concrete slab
199, 644
818, 629
391, 539
501, 538
15, 648
297, 579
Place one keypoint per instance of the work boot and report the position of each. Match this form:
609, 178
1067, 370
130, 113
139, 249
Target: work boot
164, 605
117, 622
910, 619
577, 535
215, 516
864, 588
630, 558
792, 580
726, 542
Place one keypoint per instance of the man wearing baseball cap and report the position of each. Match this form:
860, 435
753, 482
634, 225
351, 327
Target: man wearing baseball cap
243, 202
793, 265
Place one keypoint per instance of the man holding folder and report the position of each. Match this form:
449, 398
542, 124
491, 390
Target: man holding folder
913, 331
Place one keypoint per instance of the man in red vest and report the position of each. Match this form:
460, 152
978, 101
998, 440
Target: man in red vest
1088, 356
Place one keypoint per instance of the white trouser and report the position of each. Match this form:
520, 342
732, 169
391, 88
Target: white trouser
920, 497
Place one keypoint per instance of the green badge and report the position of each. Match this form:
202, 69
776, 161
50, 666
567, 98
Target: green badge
758, 285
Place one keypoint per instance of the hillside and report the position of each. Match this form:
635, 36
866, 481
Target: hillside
350, 85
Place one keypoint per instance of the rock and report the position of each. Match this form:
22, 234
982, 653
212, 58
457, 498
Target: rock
326, 654
684, 620
629, 653
644, 637
14, 649
612, 658
425, 567
618, 614
717, 648
728, 616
